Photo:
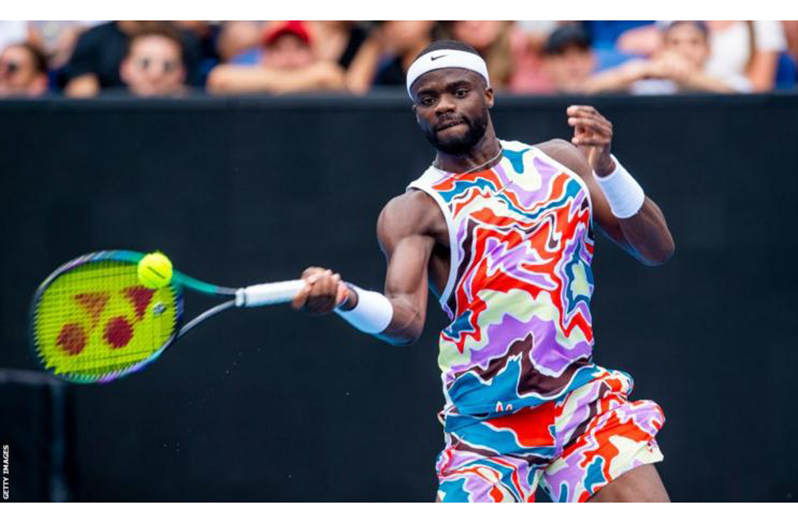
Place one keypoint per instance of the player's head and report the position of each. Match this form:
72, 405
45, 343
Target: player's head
451, 91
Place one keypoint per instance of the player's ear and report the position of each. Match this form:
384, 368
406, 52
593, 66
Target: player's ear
489, 97
415, 112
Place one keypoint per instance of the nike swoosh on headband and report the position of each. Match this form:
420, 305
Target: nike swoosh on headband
436, 57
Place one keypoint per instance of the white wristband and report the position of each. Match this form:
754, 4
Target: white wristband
623, 193
372, 314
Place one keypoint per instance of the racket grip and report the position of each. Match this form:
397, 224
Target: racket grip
268, 293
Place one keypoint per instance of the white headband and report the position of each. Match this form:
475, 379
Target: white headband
444, 58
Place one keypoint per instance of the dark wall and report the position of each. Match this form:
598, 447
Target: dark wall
273, 405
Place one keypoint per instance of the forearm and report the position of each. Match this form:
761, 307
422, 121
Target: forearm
242, 79
699, 81
619, 79
368, 311
248, 79
407, 322
640, 225
647, 235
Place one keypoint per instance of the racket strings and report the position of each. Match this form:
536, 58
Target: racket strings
96, 320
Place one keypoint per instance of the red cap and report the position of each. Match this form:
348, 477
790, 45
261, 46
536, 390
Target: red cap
291, 27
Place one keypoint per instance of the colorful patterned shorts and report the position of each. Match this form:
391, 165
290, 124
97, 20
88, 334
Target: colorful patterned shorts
572, 446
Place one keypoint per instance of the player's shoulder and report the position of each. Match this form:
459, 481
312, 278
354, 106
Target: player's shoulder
412, 206
567, 154
411, 213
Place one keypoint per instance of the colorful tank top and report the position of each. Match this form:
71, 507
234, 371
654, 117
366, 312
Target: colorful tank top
519, 285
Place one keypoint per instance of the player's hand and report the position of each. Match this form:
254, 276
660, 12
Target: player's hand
593, 136
323, 291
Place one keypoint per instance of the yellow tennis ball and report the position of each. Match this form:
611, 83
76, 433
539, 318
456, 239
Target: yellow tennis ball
155, 270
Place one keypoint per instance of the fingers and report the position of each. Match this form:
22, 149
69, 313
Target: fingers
591, 124
591, 142
302, 297
585, 109
321, 293
584, 115
591, 129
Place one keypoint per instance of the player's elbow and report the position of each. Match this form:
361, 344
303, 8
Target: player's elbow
403, 337
661, 255
403, 342
406, 333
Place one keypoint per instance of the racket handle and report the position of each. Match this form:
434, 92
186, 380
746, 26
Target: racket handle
268, 293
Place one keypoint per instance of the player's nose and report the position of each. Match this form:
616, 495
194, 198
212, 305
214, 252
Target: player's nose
445, 104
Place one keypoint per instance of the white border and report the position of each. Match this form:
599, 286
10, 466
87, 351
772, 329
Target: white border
405, 10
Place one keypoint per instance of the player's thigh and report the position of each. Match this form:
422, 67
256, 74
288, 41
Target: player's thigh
641, 484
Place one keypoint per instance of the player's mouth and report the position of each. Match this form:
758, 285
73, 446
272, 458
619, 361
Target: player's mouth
448, 125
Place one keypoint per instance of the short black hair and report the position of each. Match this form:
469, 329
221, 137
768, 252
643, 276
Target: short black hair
448, 45
566, 36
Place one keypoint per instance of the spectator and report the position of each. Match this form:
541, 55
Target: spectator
626, 36
679, 66
746, 48
527, 42
387, 54
513, 63
790, 28
569, 60
288, 64
57, 39
95, 63
239, 41
491, 38
337, 41
23, 71
154, 63
206, 34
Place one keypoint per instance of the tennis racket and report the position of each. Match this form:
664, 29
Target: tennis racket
92, 321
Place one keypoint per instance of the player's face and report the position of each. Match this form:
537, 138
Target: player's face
452, 109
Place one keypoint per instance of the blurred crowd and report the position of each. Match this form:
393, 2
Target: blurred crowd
172, 59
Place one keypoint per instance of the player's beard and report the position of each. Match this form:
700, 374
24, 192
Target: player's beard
459, 145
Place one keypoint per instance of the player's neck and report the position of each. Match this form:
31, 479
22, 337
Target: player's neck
484, 155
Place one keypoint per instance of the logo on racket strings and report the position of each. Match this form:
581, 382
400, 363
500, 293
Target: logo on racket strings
118, 330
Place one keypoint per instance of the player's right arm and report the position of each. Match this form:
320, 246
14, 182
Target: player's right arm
405, 232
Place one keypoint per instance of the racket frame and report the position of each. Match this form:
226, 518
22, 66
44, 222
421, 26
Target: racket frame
177, 283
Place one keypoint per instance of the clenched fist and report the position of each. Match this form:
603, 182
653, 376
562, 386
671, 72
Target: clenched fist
323, 291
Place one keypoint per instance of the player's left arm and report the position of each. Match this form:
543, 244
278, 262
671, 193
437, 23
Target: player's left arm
643, 234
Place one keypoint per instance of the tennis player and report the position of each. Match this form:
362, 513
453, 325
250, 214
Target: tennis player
502, 232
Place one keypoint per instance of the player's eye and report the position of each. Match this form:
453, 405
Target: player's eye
426, 101
461, 93
144, 63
